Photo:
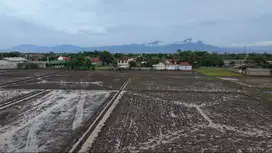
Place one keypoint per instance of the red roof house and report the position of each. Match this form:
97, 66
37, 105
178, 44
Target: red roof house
95, 59
171, 61
185, 64
63, 58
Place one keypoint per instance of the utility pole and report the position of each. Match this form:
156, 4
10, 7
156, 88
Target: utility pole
245, 53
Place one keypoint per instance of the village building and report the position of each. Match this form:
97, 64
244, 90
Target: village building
252, 69
236, 63
96, 61
12, 62
131, 59
57, 64
40, 64
122, 62
185, 66
159, 66
258, 72
171, 66
63, 58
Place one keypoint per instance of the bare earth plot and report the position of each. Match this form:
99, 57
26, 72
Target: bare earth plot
51, 120
193, 83
209, 118
76, 80
48, 123
156, 112
14, 75
9, 94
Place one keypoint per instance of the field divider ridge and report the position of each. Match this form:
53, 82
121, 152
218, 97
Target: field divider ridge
13, 102
95, 127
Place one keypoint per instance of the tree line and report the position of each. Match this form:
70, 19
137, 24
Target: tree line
195, 58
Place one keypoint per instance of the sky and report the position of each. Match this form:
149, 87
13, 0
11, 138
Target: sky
116, 22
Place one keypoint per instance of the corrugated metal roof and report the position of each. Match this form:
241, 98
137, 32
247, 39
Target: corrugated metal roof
15, 59
3, 61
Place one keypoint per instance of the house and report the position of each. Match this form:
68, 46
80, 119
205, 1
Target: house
258, 72
235, 62
171, 61
122, 62
131, 59
242, 68
185, 66
12, 62
58, 64
63, 58
159, 66
96, 61
40, 64
171, 66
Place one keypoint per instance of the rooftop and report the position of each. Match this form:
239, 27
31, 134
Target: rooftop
15, 59
95, 59
185, 64
122, 58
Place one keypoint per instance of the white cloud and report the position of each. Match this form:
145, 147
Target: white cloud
63, 15
95, 22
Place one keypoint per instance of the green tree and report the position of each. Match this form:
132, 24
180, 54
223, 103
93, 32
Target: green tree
160, 55
132, 64
106, 58
88, 63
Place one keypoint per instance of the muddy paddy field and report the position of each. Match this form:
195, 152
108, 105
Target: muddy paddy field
52, 112
156, 112
76, 80
15, 75
184, 112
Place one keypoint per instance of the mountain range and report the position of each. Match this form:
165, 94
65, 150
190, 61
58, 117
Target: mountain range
152, 47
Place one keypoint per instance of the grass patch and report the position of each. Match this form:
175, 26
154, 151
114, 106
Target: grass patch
216, 72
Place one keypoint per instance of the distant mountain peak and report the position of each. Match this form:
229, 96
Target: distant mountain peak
156, 43
199, 42
189, 40
152, 47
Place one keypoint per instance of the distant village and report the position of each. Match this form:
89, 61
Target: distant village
122, 63
125, 62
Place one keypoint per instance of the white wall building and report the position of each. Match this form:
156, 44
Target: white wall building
123, 63
258, 72
159, 66
171, 67
185, 66
11, 62
60, 58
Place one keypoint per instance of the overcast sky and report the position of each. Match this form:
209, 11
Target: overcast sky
114, 22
